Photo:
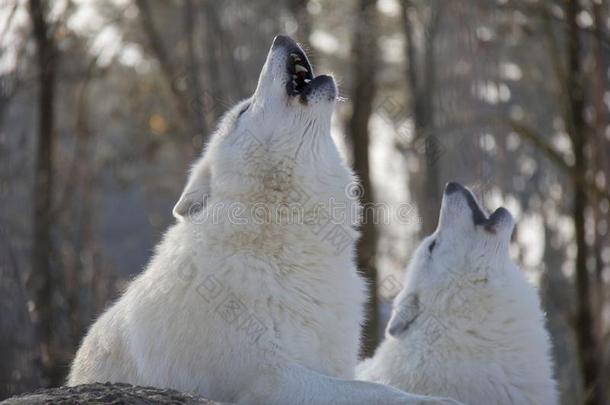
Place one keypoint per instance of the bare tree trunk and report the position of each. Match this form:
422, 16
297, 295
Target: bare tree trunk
600, 144
79, 309
19, 350
213, 35
422, 83
601, 153
558, 301
197, 97
578, 134
42, 282
364, 53
167, 68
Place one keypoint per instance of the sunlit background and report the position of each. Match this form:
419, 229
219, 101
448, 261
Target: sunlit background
104, 105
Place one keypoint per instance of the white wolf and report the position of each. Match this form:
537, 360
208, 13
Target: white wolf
466, 324
253, 296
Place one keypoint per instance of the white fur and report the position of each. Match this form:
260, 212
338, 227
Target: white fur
293, 336
466, 324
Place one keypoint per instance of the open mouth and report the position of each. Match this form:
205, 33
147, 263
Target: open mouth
300, 72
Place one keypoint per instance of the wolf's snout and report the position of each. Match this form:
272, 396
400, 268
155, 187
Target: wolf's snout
283, 41
453, 187
288, 69
302, 82
459, 201
458, 198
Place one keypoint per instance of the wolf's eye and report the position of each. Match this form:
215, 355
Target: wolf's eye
431, 246
243, 111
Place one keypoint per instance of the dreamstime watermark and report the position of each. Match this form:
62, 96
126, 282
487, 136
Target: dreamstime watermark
295, 213
389, 286
435, 143
460, 292
222, 300
227, 305
286, 202
199, 102
397, 115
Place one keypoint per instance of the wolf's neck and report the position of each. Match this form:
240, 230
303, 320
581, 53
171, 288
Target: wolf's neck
506, 330
286, 226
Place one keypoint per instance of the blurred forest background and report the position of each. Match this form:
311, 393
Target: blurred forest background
104, 105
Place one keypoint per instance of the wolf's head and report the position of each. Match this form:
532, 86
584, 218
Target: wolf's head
273, 143
459, 274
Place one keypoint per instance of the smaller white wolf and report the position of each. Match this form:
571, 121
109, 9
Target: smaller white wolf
466, 324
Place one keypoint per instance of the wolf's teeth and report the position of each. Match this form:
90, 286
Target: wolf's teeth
294, 83
299, 68
294, 76
307, 80
295, 56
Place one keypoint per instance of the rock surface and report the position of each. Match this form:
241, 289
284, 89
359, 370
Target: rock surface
107, 394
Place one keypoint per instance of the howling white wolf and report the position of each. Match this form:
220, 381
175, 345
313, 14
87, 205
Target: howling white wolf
252, 296
466, 324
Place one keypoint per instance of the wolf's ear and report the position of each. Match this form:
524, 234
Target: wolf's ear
396, 325
197, 192
406, 310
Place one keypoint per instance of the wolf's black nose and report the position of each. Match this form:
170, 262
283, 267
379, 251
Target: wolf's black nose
453, 187
283, 41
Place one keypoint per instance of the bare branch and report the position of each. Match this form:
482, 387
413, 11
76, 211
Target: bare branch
73, 172
197, 107
9, 20
168, 70
535, 138
534, 9
531, 135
